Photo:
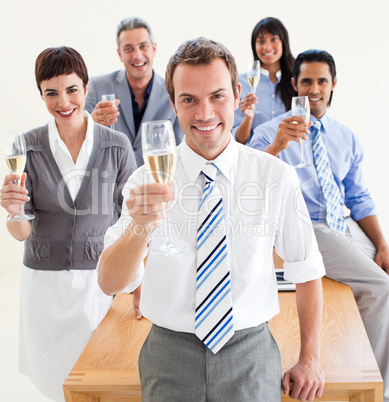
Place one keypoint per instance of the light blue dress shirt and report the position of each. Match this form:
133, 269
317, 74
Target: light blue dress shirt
345, 154
269, 104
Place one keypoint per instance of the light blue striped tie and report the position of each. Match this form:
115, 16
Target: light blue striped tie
213, 315
331, 192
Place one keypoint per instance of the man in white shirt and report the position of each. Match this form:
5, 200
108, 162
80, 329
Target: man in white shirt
262, 207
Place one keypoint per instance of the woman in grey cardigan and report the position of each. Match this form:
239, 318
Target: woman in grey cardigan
72, 183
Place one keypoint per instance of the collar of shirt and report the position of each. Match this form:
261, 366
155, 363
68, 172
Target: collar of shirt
147, 93
265, 72
325, 123
73, 173
193, 163
136, 112
57, 143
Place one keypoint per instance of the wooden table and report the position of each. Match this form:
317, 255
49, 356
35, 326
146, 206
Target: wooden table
107, 370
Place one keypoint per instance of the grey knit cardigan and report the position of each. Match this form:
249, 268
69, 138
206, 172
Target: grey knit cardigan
65, 234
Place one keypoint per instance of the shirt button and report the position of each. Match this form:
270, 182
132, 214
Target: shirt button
67, 249
68, 263
69, 236
273, 112
134, 148
273, 96
71, 223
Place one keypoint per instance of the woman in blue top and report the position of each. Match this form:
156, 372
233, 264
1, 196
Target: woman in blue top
273, 96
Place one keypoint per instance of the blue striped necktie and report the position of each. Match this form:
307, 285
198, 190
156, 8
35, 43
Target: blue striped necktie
213, 315
331, 192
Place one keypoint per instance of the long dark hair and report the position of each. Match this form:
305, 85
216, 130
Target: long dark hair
274, 26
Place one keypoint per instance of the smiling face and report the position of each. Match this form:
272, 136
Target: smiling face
204, 103
65, 99
269, 49
137, 54
315, 81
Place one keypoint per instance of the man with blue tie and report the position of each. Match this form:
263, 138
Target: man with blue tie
209, 306
140, 92
353, 248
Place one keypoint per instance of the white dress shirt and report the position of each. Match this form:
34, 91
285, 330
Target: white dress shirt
263, 208
73, 173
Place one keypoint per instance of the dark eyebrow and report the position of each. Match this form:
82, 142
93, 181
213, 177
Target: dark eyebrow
71, 86
218, 90
136, 44
310, 79
261, 36
184, 95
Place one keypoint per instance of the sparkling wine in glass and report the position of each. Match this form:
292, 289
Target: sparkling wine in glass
253, 76
15, 156
159, 154
300, 108
109, 98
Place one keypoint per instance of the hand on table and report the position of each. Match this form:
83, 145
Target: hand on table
308, 382
135, 302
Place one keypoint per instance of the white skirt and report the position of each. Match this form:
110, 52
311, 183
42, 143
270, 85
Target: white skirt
59, 310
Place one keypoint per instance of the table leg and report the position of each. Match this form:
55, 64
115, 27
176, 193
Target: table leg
72, 396
371, 395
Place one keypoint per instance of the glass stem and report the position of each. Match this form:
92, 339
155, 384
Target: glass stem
166, 224
302, 150
20, 207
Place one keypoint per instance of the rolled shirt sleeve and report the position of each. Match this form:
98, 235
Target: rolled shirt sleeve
296, 242
356, 194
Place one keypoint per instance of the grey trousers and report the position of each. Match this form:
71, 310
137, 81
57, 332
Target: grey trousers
350, 259
177, 367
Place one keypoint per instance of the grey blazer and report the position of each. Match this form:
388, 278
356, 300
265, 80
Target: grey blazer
158, 108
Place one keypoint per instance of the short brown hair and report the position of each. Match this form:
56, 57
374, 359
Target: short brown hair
56, 61
200, 51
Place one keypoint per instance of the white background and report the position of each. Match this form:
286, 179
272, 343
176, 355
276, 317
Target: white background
354, 32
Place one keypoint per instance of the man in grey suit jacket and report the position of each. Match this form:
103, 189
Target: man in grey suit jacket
140, 92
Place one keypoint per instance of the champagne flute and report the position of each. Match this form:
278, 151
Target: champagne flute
15, 156
300, 108
159, 153
253, 77
109, 98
